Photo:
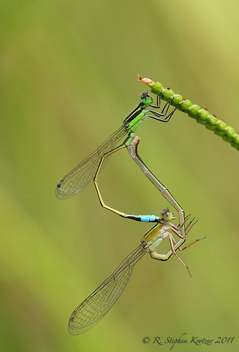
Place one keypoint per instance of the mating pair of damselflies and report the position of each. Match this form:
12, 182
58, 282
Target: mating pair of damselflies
91, 310
88, 170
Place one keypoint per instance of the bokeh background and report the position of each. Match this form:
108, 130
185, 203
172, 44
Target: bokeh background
68, 79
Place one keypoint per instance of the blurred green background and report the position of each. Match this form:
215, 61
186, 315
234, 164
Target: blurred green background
68, 79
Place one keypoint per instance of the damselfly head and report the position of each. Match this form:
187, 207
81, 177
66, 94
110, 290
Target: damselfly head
167, 215
146, 98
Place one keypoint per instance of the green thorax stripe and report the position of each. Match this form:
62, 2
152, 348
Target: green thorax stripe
135, 118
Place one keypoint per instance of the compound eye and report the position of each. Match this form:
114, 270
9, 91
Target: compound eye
146, 98
144, 95
167, 215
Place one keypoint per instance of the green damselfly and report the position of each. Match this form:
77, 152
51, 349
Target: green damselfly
99, 302
77, 179
88, 170
202, 116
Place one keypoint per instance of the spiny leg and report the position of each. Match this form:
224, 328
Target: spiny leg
199, 239
174, 243
164, 113
188, 228
165, 257
132, 149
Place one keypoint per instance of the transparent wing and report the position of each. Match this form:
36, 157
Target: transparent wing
95, 306
77, 179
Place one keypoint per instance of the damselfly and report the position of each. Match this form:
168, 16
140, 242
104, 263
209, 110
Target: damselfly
96, 305
77, 179
89, 169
